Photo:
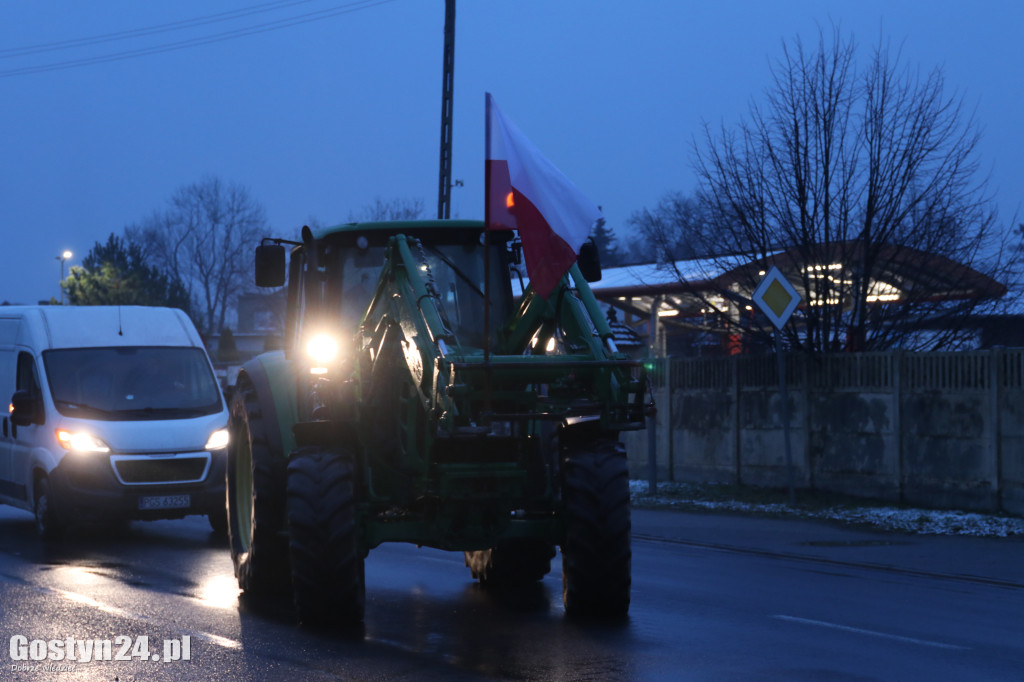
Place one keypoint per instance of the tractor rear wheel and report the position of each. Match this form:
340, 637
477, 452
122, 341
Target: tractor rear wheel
327, 565
255, 499
596, 553
511, 563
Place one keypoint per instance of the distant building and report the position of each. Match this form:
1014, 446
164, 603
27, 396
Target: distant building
260, 325
675, 296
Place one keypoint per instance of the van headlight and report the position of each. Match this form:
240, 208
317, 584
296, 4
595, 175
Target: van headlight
81, 441
218, 440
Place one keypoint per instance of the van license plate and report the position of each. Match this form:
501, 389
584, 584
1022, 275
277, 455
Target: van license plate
165, 502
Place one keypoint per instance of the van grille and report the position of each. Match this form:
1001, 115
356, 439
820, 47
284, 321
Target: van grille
139, 470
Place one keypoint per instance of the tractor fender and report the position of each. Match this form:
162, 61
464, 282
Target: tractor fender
273, 378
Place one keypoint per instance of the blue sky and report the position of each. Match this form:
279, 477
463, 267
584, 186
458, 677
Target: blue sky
320, 118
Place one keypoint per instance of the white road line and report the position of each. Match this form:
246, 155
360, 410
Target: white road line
121, 613
100, 606
873, 633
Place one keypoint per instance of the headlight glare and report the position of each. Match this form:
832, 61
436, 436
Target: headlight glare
80, 441
218, 440
322, 349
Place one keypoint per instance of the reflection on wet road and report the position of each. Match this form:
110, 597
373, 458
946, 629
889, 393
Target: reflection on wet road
697, 613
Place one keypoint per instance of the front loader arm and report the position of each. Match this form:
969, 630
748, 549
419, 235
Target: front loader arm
406, 305
463, 390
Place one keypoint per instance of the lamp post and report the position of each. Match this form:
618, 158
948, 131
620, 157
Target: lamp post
66, 255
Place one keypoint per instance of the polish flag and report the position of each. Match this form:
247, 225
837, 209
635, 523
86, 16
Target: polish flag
526, 192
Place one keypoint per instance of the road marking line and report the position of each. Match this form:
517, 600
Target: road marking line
89, 601
115, 611
216, 639
873, 633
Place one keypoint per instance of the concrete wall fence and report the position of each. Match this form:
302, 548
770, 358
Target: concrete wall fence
943, 430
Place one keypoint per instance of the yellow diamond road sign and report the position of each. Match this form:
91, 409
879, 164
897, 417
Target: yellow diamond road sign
776, 297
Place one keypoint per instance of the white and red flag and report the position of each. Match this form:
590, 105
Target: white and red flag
526, 192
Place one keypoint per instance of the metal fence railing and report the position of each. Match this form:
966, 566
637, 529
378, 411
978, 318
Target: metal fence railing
883, 371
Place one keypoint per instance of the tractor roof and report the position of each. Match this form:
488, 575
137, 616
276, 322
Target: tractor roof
400, 226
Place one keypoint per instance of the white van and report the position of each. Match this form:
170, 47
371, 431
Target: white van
115, 414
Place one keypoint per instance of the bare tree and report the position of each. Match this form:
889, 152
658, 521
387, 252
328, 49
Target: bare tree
670, 231
389, 209
862, 185
206, 236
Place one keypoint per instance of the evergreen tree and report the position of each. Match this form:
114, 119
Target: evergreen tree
115, 274
607, 247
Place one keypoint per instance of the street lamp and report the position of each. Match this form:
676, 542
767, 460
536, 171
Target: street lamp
63, 257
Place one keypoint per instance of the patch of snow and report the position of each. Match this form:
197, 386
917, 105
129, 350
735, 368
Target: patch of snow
923, 521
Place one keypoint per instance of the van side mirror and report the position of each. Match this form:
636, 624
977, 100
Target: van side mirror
270, 265
25, 409
589, 261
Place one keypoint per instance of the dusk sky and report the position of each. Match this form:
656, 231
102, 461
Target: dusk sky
317, 119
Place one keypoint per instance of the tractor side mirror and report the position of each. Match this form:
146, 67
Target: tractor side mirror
270, 265
25, 409
589, 261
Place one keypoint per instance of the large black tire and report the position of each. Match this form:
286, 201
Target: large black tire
327, 565
511, 563
49, 525
596, 553
255, 500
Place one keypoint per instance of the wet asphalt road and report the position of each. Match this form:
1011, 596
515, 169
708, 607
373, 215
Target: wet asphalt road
714, 598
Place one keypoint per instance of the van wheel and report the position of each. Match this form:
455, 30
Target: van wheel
48, 524
219, 523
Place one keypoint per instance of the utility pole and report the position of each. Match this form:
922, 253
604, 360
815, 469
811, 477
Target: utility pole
444, 199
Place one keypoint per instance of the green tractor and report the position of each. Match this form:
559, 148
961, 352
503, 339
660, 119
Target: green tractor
421, 398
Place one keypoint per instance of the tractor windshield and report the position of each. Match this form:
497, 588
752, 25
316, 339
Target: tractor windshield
458, 274
360, 269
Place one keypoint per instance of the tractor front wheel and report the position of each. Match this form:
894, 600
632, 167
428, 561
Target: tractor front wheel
327, 566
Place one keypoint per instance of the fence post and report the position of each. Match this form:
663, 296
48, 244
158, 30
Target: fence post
737, 419
897, 420
652, 421
668, 425
807, 376
995, 392
781, 363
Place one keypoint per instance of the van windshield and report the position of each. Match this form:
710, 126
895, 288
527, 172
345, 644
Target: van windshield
132, 384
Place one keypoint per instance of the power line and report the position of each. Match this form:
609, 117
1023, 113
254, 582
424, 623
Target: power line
10, 53
266, 27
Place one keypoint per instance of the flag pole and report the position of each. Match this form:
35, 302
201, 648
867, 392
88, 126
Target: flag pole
487, 227
487, 255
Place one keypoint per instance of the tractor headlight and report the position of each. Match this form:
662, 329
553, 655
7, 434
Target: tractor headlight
322, 349
80, 441
218, 440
